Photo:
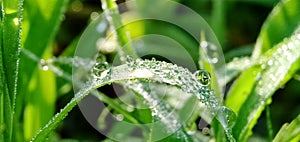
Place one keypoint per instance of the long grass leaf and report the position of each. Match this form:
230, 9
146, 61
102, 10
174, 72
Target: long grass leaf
281, 23
277, 67
11, 18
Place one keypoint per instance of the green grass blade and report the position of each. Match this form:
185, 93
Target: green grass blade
218, 23
241, 88
113, 17
39, 16
216, 70
41, 22
151, 72
289, 132
277, 67
11, 17
2, 82
281, 23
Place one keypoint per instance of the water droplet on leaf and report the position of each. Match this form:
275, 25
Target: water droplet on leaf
226, 117
16, 21
99, 68
129, 61
191, 132
203, 77
43, 65
119, 117
206, 131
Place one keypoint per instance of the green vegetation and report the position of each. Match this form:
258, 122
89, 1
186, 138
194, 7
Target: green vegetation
42, 65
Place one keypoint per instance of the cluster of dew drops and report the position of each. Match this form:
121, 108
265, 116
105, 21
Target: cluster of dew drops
197, 83
101, 69
101, 65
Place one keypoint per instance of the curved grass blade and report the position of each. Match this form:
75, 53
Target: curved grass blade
110, 9
112, 15
289, 132
145, 71
277, 67
281, 23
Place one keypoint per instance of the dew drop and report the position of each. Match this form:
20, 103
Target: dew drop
101, 27
290, 46
270, 62
119, 117
203, 77
258, 76
263, 66
206, 131
100, 58
43, 65
204, 44
298, 36
191, 132
226, 117
129, 61
154, 103
99, 68
130, 108
16, 21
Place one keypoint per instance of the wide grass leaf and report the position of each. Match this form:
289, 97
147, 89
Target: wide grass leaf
41, 22
277, 67
281, 23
